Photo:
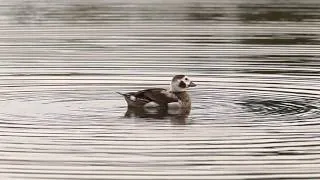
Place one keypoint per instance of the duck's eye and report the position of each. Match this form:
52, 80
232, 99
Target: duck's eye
186, 79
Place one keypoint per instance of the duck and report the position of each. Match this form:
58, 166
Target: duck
176, 96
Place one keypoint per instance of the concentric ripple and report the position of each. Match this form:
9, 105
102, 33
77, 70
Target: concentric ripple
274, 107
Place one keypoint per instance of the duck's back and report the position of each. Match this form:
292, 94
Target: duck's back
157, 96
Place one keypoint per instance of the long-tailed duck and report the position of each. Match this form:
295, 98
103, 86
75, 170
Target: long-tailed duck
174, 97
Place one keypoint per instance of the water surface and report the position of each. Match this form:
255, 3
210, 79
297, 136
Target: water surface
255, 111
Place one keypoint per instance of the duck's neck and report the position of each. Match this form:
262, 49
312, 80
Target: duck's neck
184, 97
174, 88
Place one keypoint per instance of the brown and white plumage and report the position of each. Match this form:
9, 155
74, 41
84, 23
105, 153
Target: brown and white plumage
175, 96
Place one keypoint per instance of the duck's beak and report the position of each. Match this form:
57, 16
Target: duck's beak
192, 84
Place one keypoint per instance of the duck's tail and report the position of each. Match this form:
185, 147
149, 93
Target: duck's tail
129, 101
126, 96
120, 93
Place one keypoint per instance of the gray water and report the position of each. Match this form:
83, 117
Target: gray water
255, 112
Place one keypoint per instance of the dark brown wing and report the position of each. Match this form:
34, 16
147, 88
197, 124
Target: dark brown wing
158, 95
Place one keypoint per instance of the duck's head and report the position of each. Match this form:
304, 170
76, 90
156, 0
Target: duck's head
180, 83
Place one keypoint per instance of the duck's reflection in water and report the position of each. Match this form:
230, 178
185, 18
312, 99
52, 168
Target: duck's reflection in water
177, 116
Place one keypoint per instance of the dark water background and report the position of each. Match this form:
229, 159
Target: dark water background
256, 109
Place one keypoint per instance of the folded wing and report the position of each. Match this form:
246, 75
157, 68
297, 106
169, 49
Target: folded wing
157, 95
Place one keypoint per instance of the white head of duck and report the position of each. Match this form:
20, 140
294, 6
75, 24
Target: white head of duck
181, 83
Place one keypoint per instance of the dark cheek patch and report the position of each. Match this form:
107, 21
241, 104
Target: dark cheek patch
182, 84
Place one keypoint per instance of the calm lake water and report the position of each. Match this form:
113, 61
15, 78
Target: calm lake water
255, 112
